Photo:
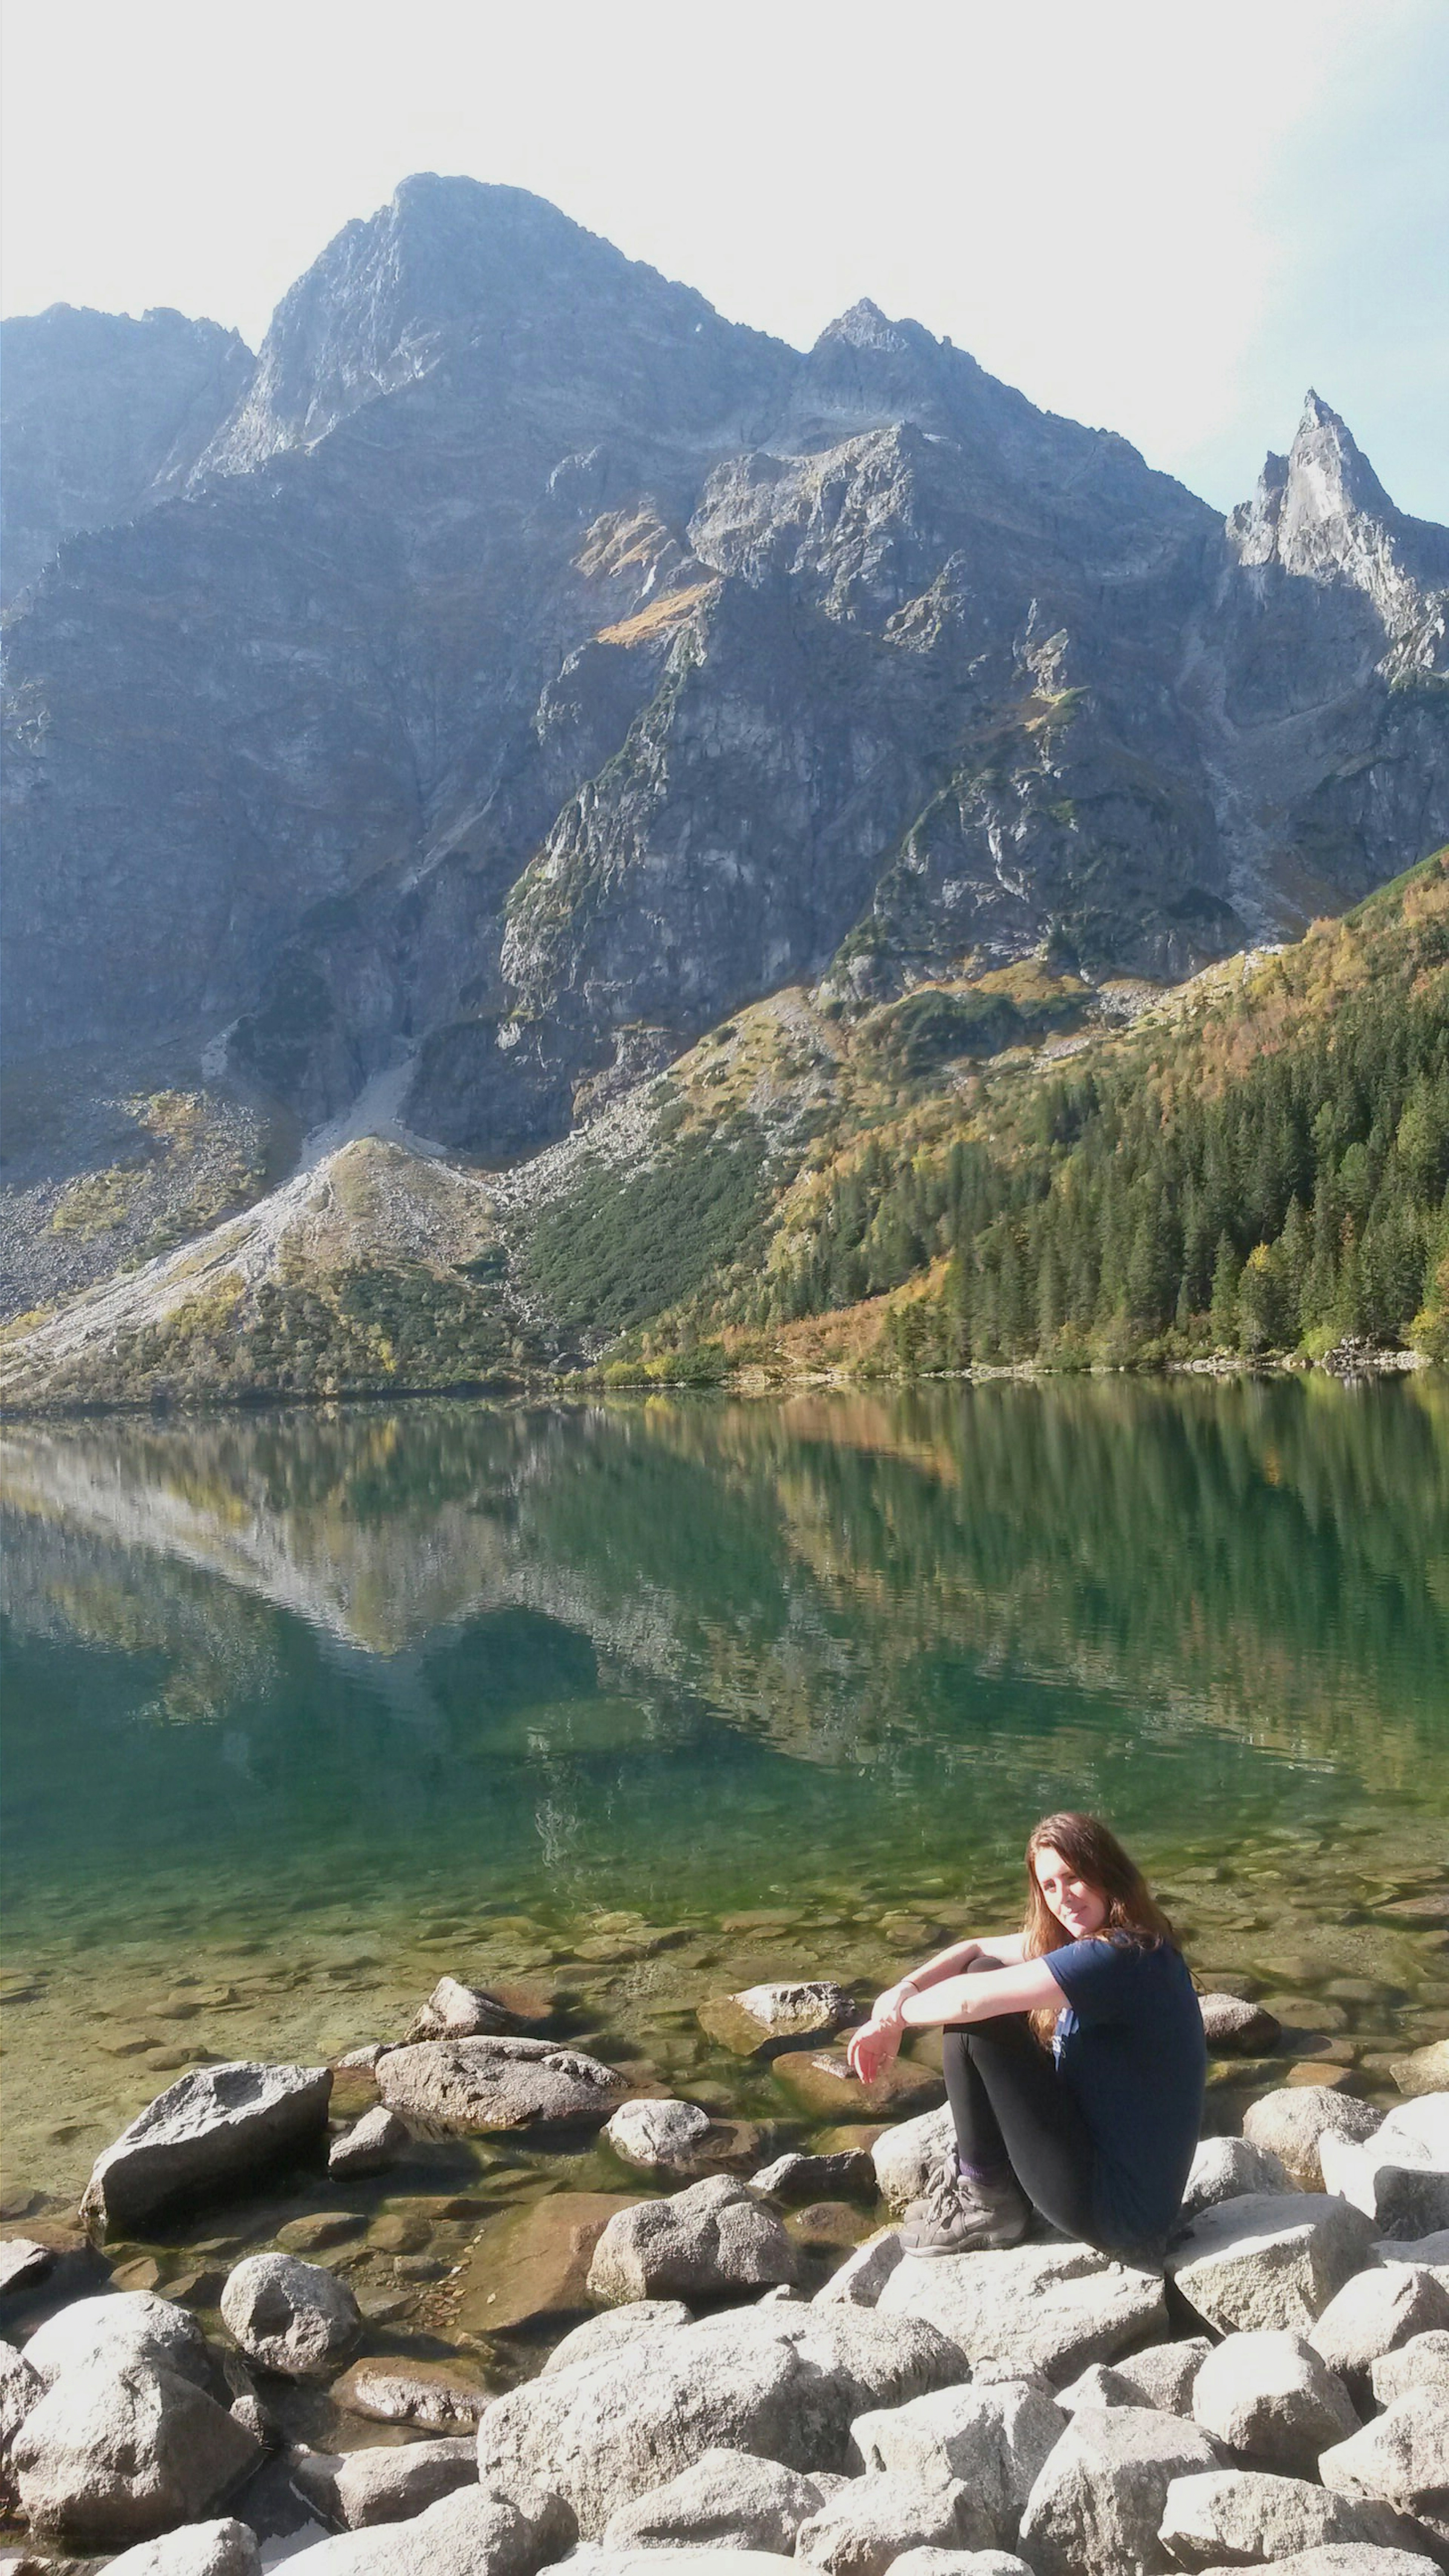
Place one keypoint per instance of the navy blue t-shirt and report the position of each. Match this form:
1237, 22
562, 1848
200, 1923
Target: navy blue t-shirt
1130, 2044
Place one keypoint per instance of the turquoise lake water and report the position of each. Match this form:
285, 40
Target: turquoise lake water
302, 1707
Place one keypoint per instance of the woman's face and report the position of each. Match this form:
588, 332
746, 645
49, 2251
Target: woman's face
1080, 1908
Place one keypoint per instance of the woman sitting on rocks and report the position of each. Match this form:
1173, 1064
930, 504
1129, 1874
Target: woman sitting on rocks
1074, 2060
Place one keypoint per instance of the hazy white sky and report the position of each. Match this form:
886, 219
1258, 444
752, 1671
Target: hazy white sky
1163, 217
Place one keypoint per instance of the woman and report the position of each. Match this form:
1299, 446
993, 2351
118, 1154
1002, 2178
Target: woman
1096, 2131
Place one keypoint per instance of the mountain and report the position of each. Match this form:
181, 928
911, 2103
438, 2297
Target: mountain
1021, 1170
101, 418
523, 667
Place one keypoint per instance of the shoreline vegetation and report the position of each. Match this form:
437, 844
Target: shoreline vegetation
1248, 1170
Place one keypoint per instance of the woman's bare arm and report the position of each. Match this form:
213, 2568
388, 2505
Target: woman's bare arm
1027, 1985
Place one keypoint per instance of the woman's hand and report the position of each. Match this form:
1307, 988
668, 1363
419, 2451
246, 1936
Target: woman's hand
871, 2049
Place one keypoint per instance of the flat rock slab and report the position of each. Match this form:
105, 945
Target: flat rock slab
215, 2126
728, 2500
796, 2179
1270, 2259
531, 2266
1047, 2308
614, 2327
821, 2081
475, 2085
1403, 2455
761, 2020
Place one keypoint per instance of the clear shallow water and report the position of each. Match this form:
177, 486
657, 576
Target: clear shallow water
303, 1708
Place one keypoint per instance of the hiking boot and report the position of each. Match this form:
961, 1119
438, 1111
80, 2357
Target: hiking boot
958, 2216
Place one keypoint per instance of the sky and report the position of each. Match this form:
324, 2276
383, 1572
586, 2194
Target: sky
1159, 217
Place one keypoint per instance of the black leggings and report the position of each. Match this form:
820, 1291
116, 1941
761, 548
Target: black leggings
1011, 2108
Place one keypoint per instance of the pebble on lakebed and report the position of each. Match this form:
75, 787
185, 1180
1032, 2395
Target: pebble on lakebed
480, 2219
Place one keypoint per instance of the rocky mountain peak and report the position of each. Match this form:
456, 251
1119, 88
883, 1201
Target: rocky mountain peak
1321, 512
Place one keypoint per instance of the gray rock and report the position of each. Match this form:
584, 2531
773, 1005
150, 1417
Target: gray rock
1392, 2179
292, 2317
226, 2548
727, 2500
1348, 2559
1424, 2070
481, 2084
218, 2125
875, 2518
120, 2325
119, 2449
1377, 2309
1420, 2125
713, 2236
996, 2440
904, 2156
455, 2011
21, 2387
1422, 2362
1048, 2307
394, 2484
1249, 2518
785, 2382
657, 2133
763, 2019
1290, 2122
1161, 2376
375, 2141
473, 2532
23, 2260
1230, 2169
797, 2179
1099, 2498
958, 2562
1403, 2455
1271, 2259
617, 2326
860, 2279
366, 2056
1432, 2251
1233, 2028
430, 2393
665, 2558
1273, 2401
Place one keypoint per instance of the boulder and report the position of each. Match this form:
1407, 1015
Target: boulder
1392, 2179
394, 2484
958, 2562
1420, 2125
1230, 2169
1422, 2362
764, 2019
714, 2236
1048, 2307
906, 2155
1162, 2376
376, 2140
1099, 2497
1403, 2455
23, 2261
873, 2519
290, 2316
797, 2180
455, 2011
218, 2125
784, 2381
472, 2532
1424, 2070
1271, 2259
1290, 2122
480, 2084
1384, 2306
665, 2558
227, 2548
823, 2085
124, 2325
1430, 2250
862, 2276
1234, 2028
657, 2133
1348, 2560
727, 2500
1249, 2518
429, 2393
20, 2389
120, 2449
996, 2440
1272, 2400
617, 2326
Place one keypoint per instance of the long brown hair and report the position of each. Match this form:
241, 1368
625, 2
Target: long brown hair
1093, 1853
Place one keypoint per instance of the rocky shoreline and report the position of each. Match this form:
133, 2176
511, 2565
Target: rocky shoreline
729, 2353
